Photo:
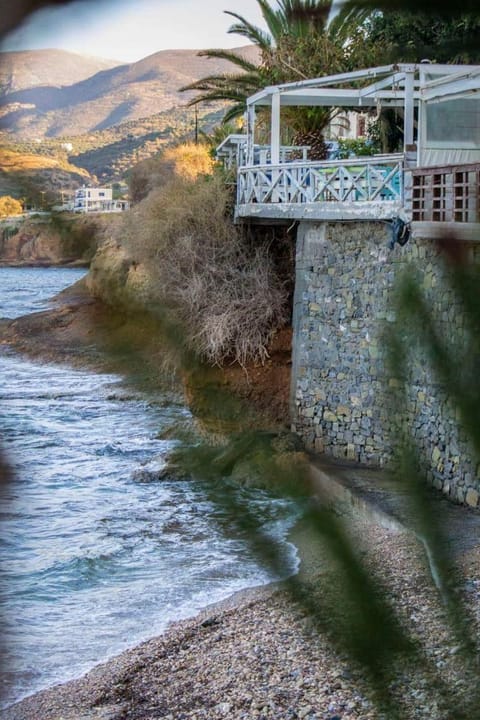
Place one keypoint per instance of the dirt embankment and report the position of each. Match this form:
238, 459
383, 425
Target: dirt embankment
83, 330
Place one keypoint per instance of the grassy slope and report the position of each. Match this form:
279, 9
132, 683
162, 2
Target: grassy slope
29, 175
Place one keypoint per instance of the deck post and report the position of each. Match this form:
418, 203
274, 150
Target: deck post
275, 128
250, 134
275, 142
409, 111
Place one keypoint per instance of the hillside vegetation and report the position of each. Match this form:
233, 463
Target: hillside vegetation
37, 178
110, 154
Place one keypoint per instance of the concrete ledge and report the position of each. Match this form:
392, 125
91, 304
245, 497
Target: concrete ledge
331, 486
365, 210
374, 494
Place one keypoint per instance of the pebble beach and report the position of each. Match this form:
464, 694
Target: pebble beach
260, 656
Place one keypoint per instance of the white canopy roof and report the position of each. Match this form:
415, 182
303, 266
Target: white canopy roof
384, 84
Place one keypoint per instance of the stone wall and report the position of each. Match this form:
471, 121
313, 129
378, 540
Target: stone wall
345, 273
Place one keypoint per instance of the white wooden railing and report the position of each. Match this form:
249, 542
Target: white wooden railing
236, 155
378, 178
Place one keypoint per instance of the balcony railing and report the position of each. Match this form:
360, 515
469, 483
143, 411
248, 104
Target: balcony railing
446, 194
377, 179
234, 153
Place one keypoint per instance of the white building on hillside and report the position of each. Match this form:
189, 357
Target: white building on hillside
90, 199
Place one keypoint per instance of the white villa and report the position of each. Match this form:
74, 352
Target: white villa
434, 179
91, 199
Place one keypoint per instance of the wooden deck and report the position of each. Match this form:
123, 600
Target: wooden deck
359, 188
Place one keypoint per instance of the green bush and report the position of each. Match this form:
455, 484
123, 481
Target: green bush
356, 147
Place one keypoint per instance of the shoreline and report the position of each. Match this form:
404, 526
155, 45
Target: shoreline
76, 310
255, 653
203, 616
46, 703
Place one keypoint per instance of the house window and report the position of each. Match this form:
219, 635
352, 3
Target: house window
361, 127
101, 194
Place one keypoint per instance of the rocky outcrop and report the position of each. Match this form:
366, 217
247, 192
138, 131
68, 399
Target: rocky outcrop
48, 241
118, 280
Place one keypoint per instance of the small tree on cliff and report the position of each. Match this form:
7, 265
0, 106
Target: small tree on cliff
10, 206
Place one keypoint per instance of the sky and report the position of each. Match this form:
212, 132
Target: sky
128, 30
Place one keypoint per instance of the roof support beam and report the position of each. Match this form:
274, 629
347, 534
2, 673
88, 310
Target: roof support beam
409, 111
250, 133
374, 87
275, 129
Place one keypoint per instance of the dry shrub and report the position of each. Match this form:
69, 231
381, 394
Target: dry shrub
10, 206
223, 290
187, 161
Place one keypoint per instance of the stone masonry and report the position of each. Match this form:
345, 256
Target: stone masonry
345, 273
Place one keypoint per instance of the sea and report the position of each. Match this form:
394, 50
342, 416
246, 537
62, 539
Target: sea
99, 552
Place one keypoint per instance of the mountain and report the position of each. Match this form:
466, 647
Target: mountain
25, 69
108, 97
109, 154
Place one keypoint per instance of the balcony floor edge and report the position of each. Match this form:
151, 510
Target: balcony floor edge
321, 211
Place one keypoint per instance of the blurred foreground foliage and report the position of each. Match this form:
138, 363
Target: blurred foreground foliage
361, 621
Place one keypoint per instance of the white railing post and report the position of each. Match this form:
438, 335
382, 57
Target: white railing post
250, 134
275, 128
275, 142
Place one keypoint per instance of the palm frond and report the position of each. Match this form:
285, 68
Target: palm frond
233, 112
253, 33
249, 81
232, 57
272, 18
305, 16
213, 95
350, 18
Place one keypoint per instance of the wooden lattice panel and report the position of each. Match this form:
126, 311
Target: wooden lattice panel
446, 194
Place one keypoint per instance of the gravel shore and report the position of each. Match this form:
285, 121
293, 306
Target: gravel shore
260, 656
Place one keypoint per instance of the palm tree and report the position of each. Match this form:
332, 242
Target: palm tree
299, 42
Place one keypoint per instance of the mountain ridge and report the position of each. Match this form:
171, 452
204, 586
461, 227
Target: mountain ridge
22, 69
108, 97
